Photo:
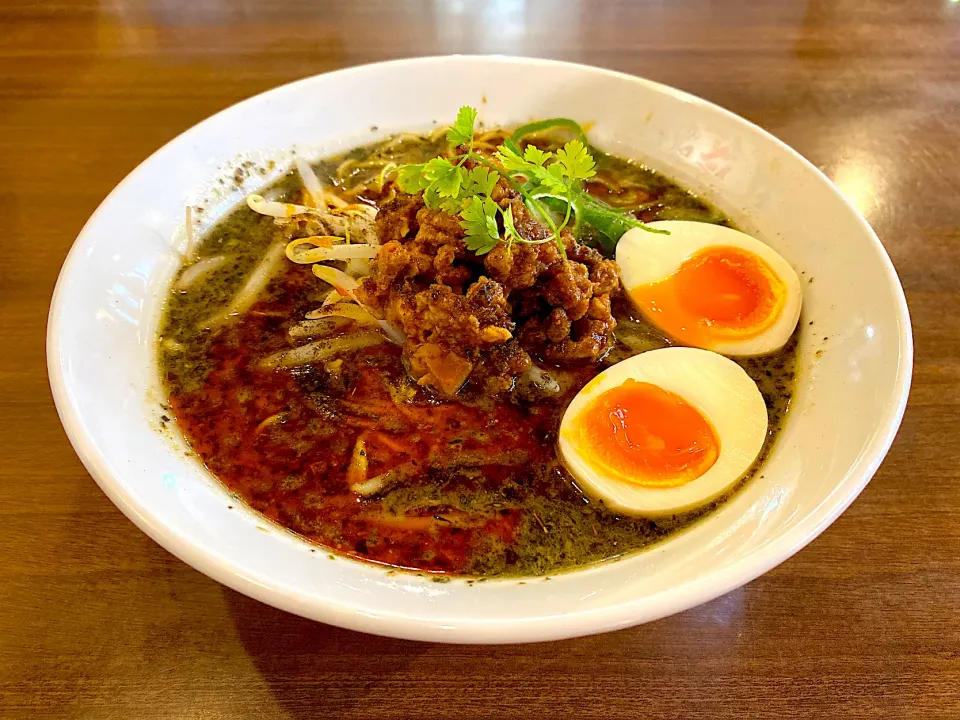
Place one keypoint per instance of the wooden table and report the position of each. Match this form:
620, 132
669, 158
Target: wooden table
96, 621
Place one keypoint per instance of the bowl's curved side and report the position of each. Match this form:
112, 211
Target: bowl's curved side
848, 407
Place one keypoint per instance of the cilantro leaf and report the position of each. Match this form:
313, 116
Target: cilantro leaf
452, 206
533, 154
553, 178
533, 165
444, 176
431, 198
461, 133
576, 161
511, 160
479, 181
479, 221
532, 173
510, 233
411, 180
549, 178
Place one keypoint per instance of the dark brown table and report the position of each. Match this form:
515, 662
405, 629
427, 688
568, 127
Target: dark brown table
96, 621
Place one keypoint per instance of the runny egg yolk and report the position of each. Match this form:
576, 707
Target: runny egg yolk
718, 293
647, 435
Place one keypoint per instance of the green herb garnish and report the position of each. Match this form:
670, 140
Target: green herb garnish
536, 175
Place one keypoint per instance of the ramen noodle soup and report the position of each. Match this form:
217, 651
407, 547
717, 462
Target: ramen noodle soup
480, 352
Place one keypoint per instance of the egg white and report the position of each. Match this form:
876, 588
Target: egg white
715, 386
646, 257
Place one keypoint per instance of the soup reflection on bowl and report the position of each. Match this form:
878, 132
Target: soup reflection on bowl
353, 372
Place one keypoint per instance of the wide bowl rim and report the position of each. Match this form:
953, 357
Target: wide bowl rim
706, 587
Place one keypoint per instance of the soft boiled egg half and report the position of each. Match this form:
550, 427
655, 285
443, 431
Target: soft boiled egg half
710, 286
664, 431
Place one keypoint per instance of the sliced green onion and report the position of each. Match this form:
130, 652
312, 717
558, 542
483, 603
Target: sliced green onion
542, 125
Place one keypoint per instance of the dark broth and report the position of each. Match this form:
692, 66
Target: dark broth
489, 496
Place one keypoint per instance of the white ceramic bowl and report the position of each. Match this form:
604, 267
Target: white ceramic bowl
847, 407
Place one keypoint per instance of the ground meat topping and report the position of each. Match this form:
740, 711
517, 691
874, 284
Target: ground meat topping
483, 317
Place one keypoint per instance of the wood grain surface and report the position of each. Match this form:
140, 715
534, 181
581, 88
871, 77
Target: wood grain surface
96, 621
